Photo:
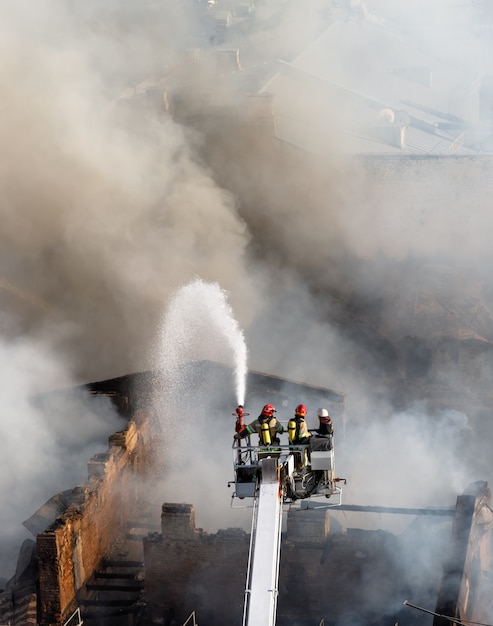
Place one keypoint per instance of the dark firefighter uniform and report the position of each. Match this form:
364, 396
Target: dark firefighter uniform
266, 426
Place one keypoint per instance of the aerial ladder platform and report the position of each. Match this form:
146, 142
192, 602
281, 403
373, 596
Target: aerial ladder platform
274, 477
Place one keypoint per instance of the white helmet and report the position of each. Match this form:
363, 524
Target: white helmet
323, 413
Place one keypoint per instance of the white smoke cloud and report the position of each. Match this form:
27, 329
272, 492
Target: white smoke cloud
47, 438
107, 209
104, 210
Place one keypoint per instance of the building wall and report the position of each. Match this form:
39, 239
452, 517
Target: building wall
189, 570
72, 548
341, 578
321, 573
94, 518
466, 588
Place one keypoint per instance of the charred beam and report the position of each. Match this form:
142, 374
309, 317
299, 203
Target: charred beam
110, 603
116, 575
131, 586
393, 510
115, 563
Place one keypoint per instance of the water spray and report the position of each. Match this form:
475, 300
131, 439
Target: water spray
199, 323
197, 331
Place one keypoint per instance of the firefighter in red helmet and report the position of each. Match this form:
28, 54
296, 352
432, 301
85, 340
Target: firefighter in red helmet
297, 429
299, 436
266, 426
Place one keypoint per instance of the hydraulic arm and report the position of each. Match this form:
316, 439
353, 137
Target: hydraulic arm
263, 572
273, 476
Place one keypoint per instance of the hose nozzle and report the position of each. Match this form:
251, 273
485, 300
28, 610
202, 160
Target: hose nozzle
239, 417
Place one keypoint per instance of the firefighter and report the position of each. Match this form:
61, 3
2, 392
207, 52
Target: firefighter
325, 426
266, 426
322, 439
299, 435
297, 429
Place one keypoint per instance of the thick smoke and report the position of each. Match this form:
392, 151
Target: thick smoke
108, 208
47, 438
103, 211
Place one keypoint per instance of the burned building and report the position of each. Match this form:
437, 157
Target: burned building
102, 547
110, 552
87, 553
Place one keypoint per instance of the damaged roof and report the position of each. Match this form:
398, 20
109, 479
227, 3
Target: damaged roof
368, 88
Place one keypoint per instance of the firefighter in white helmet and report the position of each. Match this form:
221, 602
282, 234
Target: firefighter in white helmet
325, 426
322, 439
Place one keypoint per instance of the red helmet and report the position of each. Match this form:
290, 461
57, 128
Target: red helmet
268, 410
300, 410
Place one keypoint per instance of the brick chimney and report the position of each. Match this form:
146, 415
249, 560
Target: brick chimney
178, 521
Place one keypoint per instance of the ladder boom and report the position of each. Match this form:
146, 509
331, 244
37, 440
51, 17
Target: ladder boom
262, 592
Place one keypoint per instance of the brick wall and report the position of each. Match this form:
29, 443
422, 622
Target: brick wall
190, 570
329, 579
71, 548
466, 587
321, 574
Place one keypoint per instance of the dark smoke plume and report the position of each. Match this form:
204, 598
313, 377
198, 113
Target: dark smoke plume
107, 208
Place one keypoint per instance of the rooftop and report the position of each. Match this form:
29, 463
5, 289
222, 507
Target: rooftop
365, 87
